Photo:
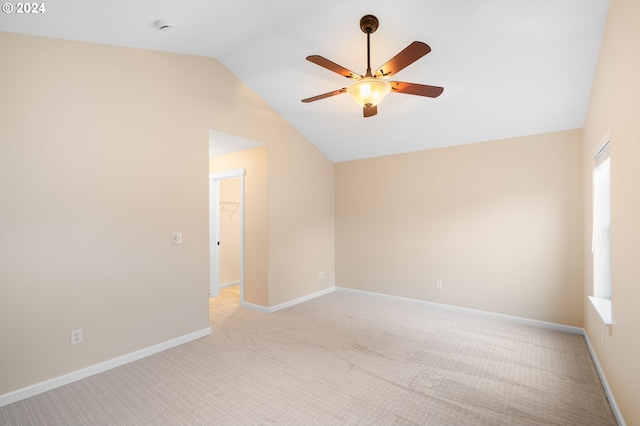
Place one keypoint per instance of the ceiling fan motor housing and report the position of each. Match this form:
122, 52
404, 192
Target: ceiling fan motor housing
369, 24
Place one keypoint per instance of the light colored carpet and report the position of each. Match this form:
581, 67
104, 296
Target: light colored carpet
341, 359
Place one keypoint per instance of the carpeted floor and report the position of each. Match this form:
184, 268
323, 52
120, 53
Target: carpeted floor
341, 359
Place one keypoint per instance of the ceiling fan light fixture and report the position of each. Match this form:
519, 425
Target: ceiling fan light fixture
369, 91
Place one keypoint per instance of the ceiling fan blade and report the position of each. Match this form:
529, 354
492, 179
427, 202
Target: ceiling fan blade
325, 95
416, 89
406, 57
370, 111
332, 66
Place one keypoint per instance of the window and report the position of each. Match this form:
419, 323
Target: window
601, 240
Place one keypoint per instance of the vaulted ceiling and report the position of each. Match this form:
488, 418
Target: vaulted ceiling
509, 67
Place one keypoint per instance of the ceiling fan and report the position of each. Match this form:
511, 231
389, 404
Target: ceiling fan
368, 90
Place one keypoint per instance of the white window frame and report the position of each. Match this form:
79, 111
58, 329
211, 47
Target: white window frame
601, 234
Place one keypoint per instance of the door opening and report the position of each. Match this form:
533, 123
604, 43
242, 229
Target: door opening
226, 231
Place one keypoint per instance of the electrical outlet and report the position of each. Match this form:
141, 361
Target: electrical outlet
322, 275
438, 285
76, 336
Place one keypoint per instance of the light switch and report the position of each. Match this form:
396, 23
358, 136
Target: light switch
176, 238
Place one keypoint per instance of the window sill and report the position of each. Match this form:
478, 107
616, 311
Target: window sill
603, 307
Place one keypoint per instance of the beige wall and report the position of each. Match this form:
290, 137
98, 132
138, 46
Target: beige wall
615, 105
254, 161
301, 220
103, 154
499, 223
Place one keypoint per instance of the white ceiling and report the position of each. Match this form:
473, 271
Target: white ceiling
221, 143
509, 67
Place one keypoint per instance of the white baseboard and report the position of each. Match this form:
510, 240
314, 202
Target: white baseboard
440, 306
288, 304
11, 397
520, 320
612, 401
230, 284
255, 307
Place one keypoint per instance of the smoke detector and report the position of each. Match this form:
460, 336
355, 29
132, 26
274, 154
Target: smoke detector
163, 25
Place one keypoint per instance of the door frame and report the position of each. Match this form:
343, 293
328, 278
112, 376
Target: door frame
214, 229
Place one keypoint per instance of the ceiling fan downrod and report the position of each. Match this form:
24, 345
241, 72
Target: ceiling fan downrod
369, 24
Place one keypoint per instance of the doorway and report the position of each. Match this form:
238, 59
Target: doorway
226, 231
